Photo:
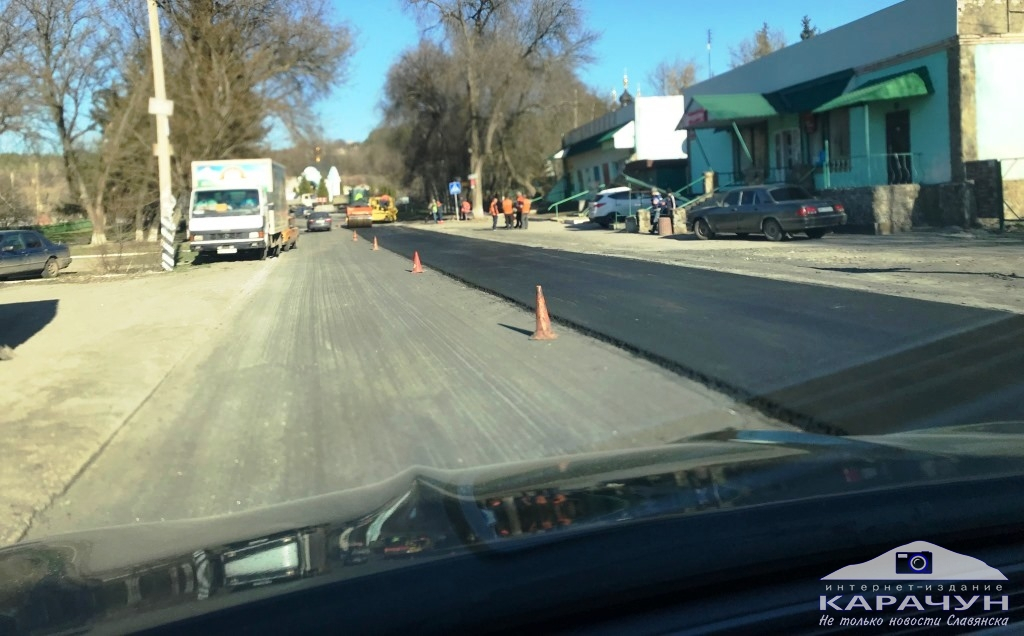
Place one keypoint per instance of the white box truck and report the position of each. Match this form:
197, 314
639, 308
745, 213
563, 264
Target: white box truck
239, 205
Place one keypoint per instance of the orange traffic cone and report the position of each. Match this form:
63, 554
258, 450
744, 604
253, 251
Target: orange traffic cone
375, 248
543, 320
417, 267
355, 237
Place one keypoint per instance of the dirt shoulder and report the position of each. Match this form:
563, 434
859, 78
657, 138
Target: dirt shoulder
975, 268
108, 344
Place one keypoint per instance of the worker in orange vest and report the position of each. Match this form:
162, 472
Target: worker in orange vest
508, 209
524, 212
493, 209
466, 207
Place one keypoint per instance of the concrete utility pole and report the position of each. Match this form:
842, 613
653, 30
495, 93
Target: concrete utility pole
162, 108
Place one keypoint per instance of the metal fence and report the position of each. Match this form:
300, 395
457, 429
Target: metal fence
870, 170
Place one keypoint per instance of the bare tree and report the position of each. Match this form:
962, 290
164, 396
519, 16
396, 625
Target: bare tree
425, 111
69, 46
533, 133
764, 41
14, 77
236, 68
498, 47
670, 77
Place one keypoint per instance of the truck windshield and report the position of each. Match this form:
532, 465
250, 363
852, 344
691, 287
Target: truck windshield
227, 202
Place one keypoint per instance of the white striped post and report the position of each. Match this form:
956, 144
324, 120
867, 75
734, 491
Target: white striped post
162, 109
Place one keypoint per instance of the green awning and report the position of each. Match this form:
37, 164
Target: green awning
715, 111
913, 83
806, 96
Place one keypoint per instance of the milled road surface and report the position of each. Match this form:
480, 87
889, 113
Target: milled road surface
341, 368
828, 359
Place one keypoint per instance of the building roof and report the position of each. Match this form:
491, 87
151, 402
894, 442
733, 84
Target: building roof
903, 28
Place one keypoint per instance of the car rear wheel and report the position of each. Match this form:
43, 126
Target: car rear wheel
703, 230
773, 231
51, 268
815, 234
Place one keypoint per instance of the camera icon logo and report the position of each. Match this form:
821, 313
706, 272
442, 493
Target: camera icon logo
914, 562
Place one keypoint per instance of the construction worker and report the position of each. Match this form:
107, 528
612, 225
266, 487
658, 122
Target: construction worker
526, 214
433, 210
466, 207
493, 209
519, 210
508, 209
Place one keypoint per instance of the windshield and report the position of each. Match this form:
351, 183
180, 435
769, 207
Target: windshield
833, 261
227, 202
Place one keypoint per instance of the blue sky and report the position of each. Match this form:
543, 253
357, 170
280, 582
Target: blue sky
634, 37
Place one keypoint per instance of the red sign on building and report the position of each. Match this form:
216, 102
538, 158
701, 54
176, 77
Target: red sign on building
695, 117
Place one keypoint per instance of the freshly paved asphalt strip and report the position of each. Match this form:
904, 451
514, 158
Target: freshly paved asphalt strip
341, 369
830, 360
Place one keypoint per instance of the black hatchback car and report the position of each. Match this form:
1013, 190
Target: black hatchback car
777, 211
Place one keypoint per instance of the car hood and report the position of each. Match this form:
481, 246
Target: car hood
426, 513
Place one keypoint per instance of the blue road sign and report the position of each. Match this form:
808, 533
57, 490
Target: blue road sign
454, 188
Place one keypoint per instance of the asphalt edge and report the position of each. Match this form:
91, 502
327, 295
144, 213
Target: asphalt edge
762, 404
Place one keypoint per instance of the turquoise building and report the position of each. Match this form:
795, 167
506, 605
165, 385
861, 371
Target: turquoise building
908, 115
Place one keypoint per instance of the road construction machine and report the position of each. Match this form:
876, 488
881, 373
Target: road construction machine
383, 209
359, 212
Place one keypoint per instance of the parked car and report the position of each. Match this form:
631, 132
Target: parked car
300, 211
29, 252
775, 210
317, 221
614, 203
